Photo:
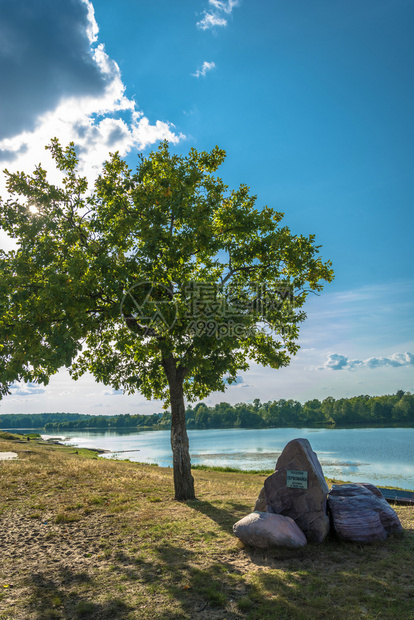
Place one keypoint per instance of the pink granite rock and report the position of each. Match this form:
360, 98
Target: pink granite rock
360, 513
388, 516
306, 506
262, 529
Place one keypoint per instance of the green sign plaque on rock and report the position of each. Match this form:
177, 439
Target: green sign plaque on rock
296, 479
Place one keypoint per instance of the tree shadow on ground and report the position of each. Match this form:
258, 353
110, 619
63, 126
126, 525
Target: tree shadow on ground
199, 589
215, 589
51, 598
224, 518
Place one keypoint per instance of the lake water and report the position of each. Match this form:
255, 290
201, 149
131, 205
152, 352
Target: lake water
382, 456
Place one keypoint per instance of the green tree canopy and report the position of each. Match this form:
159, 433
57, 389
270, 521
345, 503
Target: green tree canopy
159, 280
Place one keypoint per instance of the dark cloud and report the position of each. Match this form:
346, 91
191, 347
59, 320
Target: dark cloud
45, 56
118, 133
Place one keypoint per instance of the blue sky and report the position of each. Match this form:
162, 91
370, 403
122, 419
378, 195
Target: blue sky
313, 102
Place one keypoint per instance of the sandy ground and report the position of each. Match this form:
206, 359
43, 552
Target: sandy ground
39, 554
42, 561
7, 456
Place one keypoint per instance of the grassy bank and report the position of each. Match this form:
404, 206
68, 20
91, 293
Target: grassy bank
85, 537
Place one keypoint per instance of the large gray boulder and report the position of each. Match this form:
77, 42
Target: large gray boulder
264, 530
298, 466
360, 513
260, 504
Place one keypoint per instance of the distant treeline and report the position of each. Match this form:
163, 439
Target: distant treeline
37, 420
56, 421
396, 408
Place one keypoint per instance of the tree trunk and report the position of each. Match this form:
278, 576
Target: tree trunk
183, 480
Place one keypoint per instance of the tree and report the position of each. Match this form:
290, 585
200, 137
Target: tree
160, 281
404, 408
327, 408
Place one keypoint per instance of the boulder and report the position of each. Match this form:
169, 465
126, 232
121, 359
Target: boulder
389, 517
260, 504
359, 513
264, 530
297, 489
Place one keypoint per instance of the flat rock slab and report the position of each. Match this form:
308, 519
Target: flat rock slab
264, 530
8, 456
360, 513
306, 506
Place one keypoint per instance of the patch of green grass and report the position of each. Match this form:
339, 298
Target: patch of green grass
56, 601
63, 517
245, 603
214, 596
39, 506
75, 506
84, 609
97, 500
9, 436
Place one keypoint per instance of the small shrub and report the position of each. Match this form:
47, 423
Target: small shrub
8, 436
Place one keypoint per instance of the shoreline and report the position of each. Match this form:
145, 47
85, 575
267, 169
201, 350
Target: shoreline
59, 443
56, 442
325, 426
240, 462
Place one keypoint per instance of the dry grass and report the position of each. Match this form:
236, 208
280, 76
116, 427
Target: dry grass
83, 537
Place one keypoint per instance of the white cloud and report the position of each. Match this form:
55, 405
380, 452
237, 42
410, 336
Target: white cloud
227, 7
336, 361
114, 392
397, 359
210, 20
62, 83
215, 15
207, 66
25, 389
92, 28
